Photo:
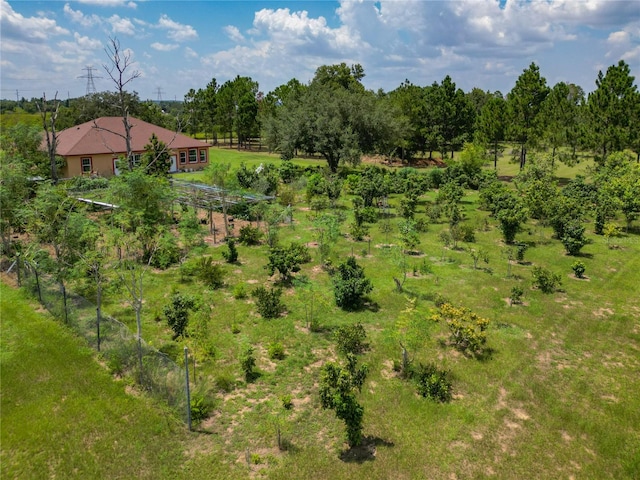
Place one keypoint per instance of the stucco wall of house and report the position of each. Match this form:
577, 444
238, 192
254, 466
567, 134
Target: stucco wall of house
102, 164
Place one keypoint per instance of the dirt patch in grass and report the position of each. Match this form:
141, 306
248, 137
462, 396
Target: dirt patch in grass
387, 371
602, 312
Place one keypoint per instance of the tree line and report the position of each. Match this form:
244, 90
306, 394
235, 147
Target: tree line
336, 117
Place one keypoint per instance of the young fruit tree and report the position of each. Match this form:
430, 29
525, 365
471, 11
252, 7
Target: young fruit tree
338, 386
350, 285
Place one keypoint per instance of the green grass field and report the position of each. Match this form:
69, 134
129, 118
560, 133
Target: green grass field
557, 397
63, 416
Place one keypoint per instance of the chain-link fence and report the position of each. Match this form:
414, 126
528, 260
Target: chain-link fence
123, 354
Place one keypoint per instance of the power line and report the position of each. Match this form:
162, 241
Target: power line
91, 87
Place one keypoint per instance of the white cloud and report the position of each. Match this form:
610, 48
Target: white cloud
121, 25
618, 37
632, 55
164, 47
190, 53
234, 34
109, 3
177, 32
78, 17
29, 29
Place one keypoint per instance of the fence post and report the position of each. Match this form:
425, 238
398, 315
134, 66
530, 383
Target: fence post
35, 271
98, 326
18, 269
186, 371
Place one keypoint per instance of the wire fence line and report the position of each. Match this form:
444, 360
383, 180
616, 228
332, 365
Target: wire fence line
159, 376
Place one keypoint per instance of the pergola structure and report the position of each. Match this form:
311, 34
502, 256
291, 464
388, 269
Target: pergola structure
210, 197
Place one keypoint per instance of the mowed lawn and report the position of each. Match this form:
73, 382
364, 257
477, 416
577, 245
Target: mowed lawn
63, 415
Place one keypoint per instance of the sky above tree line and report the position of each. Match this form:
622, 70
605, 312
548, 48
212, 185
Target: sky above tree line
46, 46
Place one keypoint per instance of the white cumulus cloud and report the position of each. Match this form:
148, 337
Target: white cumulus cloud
109, 3
30, 29
177, 32
80, 18
121, 25
234, 34
164, 47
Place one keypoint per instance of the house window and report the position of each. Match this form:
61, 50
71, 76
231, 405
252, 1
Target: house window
86, 164
183, 157
193, 156
203, 156
136, 159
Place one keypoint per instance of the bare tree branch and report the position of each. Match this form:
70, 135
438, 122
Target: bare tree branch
50, 131
117, 70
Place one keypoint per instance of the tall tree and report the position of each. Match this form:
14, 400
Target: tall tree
410, 102
50, 133
524, 103
193, 110
119, 72
559, 116
614, 111
491, 125
454, 115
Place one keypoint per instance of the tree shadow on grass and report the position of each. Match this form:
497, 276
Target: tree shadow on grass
253, 376
366, 451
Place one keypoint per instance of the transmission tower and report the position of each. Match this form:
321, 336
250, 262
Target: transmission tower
91, 87
159, 92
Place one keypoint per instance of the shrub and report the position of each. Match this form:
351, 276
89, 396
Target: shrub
425, 267
467, 330
467, 232
287, 260
225, 382
545, 280
573, 237
432, 383
578, 269
211, 274
200, 408
276, 351
516, 295
358, 232
268, 302
434, 212
422, 225
250, 235
231, 255
248, 363
177, 313
167, 252
287, 196
521, 248
288, 171
287, 402
351, 338
350, 285
240, 291
318, 203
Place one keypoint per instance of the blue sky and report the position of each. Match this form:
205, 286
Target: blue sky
178, 45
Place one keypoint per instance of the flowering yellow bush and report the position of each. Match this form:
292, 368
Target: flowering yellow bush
467, 329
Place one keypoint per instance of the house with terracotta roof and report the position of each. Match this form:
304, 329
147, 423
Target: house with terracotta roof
98, 147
